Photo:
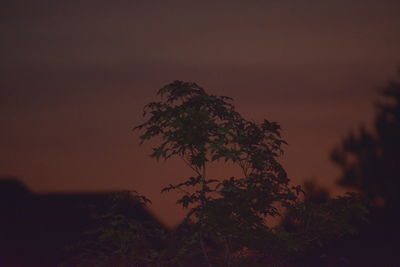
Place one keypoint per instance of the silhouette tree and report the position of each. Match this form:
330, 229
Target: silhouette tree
226, 220
370, 163
370, 160
226, 216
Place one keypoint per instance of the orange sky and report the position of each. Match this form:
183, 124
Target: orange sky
75, 77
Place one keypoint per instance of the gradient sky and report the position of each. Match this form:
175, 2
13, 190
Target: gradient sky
76, 74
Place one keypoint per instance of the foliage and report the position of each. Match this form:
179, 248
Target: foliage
122, 236
370, 160
226, 223
226, 216
315, 223
370, 163
317, 226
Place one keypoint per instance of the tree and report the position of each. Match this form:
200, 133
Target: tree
226, 220
226, 216
370, 160
370, 163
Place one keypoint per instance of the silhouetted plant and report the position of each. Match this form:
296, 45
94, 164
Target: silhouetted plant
123, 235
370, 164
226, 220
228, 215
370, 160
316, 222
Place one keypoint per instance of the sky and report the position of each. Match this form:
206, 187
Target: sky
75, 75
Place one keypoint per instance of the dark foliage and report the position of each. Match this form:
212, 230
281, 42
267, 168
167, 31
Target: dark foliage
226, 221
370, 164
370, 160
123, 235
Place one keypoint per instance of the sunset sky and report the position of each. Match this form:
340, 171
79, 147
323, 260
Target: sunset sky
75, 76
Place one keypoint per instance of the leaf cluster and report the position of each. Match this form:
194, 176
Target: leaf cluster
201, 129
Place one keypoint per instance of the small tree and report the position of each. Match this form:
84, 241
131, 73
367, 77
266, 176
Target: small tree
225, 216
